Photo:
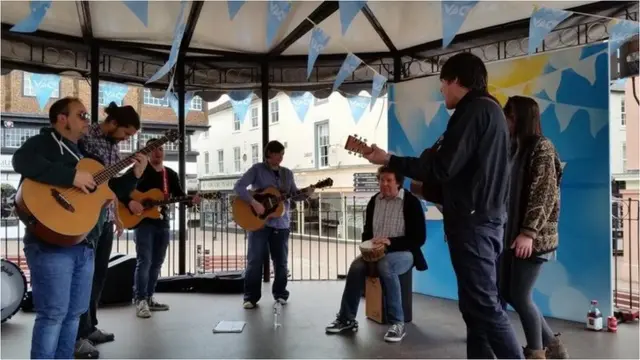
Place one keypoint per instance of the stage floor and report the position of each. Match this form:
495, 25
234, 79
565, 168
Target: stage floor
185, 331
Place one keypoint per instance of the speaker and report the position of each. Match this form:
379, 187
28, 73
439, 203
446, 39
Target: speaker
118, 285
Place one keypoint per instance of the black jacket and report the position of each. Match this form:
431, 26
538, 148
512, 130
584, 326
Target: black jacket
415, 229
470, 162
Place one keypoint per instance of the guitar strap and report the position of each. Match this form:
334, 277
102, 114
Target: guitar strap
165, 183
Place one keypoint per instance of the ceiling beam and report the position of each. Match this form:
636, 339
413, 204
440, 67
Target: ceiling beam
366, 10
318, 15
84, 16
192, 21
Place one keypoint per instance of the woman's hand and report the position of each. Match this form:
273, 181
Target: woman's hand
523, 246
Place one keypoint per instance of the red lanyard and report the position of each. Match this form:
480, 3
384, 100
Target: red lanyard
165, 183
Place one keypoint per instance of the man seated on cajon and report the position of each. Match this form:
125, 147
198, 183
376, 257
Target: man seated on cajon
395, 218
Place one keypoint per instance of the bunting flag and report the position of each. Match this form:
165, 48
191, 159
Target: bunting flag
549, 84
582, 64
140, 8
276, 13
348, 11
319, 39
565, 113
620, 31
173, 102
44, 85
543, 21
349, 65
113, 92
178, 32
453, 15
301, 101
358, 105
240, 102
37, 11
234, 6
376, 88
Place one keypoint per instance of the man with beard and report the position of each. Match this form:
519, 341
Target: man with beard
101, 143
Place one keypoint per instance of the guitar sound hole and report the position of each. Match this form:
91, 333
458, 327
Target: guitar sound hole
265, 200
60, 199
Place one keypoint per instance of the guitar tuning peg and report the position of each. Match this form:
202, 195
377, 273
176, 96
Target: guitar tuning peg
365, 140
350, 153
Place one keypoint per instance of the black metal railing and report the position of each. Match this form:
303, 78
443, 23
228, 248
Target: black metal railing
626, 253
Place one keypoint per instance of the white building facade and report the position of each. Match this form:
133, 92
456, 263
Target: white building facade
314, 150
617, 129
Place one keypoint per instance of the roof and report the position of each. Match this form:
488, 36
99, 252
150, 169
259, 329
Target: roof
400, 40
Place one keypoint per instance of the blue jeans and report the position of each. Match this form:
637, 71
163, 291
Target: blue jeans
278, 242
61, 288
390, 268
152, 242
475, 251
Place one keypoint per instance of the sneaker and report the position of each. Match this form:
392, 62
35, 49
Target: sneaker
395, 333
156, 306
339, 325
142, 309
100, 337
84, 349
281, 301
556, 349
248, 305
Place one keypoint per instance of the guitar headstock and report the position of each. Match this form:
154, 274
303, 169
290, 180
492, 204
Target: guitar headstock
323, 183
357, 145
212, 195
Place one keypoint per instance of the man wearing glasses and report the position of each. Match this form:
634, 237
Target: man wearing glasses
61, 276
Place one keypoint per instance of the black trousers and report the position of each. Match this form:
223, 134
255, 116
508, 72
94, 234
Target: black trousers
89, 320
475, 251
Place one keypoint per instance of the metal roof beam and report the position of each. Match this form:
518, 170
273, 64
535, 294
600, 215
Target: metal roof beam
318, 15
192, 21
366, 10
84, 16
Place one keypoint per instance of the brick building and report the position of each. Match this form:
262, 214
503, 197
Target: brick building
22, 118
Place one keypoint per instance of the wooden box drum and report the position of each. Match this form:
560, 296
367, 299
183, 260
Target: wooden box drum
371, 252
14, 289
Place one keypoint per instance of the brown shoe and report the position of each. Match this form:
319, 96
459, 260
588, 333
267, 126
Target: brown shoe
534, 354
556, 350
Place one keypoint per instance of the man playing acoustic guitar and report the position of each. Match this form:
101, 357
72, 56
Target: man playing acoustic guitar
276, 232
101, 142
152, 235
61, 276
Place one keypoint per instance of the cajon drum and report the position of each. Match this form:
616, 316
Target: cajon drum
374, 299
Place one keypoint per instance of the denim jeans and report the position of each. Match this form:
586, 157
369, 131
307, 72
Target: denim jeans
390, 268
278, 242
475, 250
152, 242
61, 288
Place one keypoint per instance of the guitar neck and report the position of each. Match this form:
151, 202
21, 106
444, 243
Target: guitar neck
173, 200
285, 197
114, 169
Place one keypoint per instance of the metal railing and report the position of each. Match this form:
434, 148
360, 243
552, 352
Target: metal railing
626, 253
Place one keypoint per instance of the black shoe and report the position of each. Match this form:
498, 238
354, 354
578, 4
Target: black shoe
339, 325
100, 337
84, 349
395, 333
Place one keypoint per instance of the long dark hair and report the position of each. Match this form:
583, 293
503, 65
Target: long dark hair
526, 115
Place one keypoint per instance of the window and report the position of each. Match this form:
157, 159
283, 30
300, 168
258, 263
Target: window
148, 99
322, 144
236, 159
169, 146
196, 103
29, 89
624, 156
102, 101
236, 122
15, 137
206, 162
221, 161
317, 101
623, 115
127, 145
255, 154
254, 117
275, 112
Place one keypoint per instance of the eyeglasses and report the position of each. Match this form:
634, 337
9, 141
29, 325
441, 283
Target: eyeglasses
85, 116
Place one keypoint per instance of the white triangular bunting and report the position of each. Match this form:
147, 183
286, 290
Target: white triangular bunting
542, 104
430, 109
433, 213
598, 118
587, 68
549, 83
565, 113
563, 60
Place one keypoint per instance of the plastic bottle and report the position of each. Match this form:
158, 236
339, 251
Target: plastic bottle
594, 317
277, 307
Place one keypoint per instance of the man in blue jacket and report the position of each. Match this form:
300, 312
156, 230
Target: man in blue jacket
61, 276
469, 166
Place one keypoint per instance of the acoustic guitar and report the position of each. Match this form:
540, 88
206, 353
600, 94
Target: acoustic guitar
273, 202
151, 201
431, 190
64, 216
